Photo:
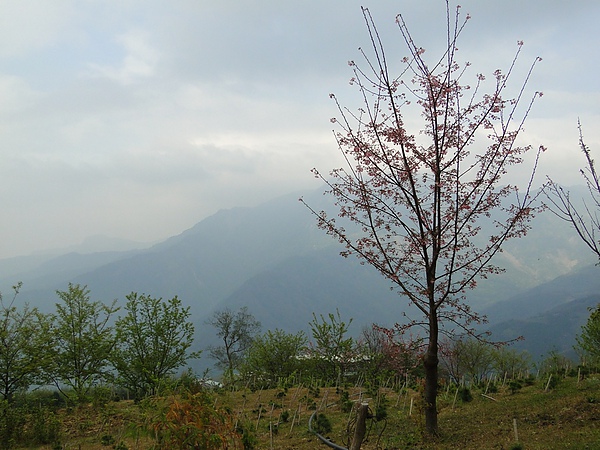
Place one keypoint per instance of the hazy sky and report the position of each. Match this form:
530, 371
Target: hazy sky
138, 118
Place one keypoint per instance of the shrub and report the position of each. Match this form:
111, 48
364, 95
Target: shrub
192, 421
514, 386
465, 394
345, 402
321, 424
381, 412
44, 427
491, 388
12, 424
107, 439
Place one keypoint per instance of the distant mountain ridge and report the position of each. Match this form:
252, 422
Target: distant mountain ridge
274, 259
551, 330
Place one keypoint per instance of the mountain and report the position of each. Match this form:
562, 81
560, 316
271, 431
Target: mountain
581, 283
285, 296
273, 259
552, 330
548, 316
202, 265
46, 267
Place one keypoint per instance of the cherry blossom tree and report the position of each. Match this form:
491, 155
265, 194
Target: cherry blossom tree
583, 215
430, 210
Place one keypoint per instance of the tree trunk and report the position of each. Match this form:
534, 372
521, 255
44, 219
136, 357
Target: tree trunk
430, 363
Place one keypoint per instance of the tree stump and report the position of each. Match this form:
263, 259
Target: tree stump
361, 426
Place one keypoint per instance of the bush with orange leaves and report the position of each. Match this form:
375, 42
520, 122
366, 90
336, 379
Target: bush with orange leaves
190, 421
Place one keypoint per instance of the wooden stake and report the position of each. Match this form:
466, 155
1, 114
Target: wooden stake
487, 396
548, 383
294, 418
297, 391
455, 396
515, 430
259, 413
271, 425
361, 426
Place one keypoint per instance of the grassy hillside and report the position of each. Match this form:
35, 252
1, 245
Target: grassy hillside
564, 416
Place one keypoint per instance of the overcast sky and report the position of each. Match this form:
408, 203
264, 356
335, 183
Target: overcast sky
139, 118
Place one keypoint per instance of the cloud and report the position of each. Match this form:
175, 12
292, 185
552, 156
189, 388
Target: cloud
16, 96
139, 59
114, 112
33, 25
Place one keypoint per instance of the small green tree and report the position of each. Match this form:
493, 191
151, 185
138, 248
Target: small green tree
24, 347
237, 331
588, 342
83, 342
510, 362
471, 358
554, 363
275, 354
153, 341
332, 349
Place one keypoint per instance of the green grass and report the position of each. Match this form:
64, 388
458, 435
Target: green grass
565, 417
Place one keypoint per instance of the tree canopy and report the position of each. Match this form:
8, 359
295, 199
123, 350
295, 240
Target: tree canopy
430, 208
83, 341
153, 341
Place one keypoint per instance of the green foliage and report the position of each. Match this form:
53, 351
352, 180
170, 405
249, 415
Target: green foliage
107, 439
331, 350
551, 381
568, 415
12, 424
23, 424
514, 386
345, 403
83, 342
314, 390
153, 340
274, 356
469, 359
510, 362
321, 424
588, 342
237, 331
554, 363
44, 427
249, 439
25, 346
465, 394
381, 409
